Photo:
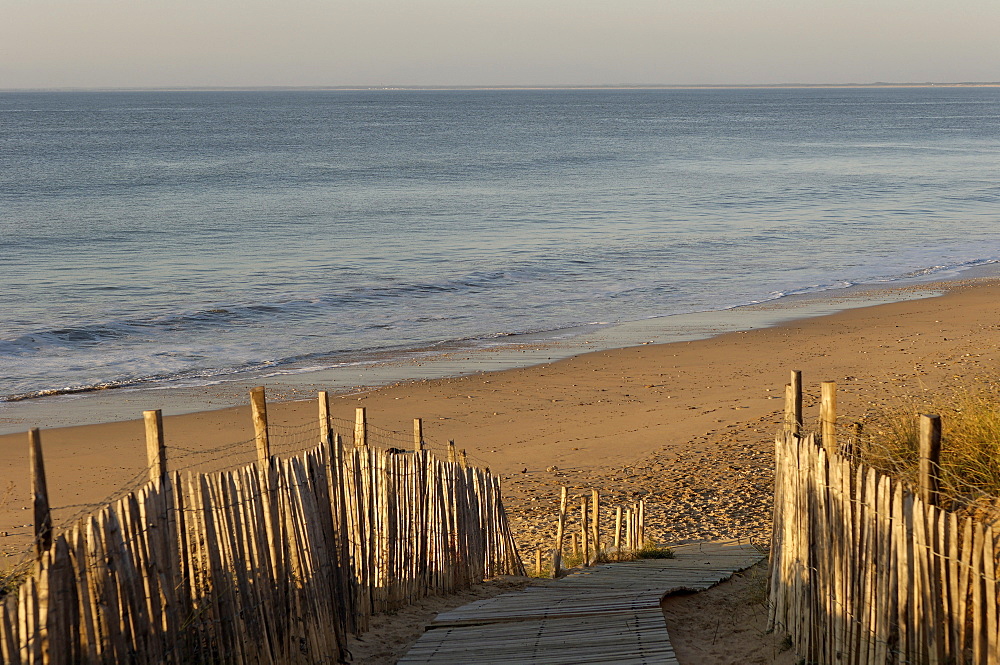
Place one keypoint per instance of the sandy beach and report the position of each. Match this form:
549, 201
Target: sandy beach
688, 426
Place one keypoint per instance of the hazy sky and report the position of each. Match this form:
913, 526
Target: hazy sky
151, 43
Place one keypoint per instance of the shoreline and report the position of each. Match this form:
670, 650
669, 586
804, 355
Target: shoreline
457, 358
687, 425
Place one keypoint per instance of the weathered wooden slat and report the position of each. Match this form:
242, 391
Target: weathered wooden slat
581, 618
616, 638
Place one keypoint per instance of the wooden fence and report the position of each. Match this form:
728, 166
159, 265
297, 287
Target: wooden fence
586, 544
274, 562
864, 571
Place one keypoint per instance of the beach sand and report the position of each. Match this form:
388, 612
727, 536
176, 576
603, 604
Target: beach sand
688, 426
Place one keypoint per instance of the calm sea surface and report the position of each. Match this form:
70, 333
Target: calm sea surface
188, 237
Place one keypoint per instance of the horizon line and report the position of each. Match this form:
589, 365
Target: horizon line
568, 86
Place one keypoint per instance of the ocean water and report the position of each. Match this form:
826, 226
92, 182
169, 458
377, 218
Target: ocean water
185, 238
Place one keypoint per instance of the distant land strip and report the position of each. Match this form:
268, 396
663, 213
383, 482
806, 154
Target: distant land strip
356, 88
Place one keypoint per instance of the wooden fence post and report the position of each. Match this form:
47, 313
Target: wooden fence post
39, 493
463, 459
258, 408
793, 404
583, 532
325, 431
595, 531
796, 377
618, 528
560, 528
828, 415
156, 449
418, 435
538, 562
452, 455
930, 458
642, 524
360, 427
789, 409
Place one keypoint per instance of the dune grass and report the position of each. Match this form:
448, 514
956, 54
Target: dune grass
970, 443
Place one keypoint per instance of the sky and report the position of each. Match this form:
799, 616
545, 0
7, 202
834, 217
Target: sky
254, 43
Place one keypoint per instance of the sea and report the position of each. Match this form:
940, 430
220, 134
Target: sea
187, 238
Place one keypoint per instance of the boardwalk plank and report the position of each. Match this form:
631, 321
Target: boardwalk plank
604, 614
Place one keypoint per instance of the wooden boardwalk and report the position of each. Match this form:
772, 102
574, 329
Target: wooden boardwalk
603, 614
